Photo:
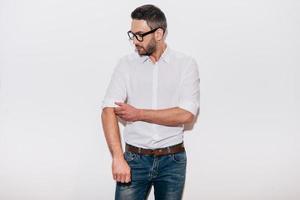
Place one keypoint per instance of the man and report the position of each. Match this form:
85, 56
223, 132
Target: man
155, 91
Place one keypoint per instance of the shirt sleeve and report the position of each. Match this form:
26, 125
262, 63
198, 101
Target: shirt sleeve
116, 90
189, 98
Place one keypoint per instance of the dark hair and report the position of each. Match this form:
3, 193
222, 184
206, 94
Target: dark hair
152, 15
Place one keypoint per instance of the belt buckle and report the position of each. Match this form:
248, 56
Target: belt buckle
159, 152
169, 150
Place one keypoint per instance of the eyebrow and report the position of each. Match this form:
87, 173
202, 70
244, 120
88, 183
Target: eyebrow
139, 32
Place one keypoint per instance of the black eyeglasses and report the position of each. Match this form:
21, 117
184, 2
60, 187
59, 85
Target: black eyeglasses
140, 36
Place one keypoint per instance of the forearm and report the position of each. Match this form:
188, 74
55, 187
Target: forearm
112, 133
169, 117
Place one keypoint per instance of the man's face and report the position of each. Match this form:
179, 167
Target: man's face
148, 45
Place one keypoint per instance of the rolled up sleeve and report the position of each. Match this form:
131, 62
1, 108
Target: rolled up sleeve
189, 98
116, 90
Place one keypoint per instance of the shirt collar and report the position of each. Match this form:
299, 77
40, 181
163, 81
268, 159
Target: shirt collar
165, 56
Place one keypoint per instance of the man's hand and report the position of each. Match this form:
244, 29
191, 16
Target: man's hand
121, 170
127, 112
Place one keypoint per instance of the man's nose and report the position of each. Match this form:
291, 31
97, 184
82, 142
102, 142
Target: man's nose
135, 41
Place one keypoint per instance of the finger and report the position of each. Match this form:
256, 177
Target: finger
117, 112
128, 178
122, 117
123, 178
117, 109
121, 113
114, 176
119, 103
119, 178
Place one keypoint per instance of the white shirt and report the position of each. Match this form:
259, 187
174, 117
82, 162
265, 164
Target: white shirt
173, 81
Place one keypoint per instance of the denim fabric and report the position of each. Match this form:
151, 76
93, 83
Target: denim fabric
166, 174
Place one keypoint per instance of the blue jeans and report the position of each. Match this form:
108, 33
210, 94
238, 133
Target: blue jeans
166, 173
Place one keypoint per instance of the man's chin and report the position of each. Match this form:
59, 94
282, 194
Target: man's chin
141, 53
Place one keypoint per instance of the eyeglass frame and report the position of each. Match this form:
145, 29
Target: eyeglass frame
142, 34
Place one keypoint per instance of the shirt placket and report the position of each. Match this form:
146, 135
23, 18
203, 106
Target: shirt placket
154, 86
154, 97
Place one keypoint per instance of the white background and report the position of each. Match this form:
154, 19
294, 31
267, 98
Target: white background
56, 60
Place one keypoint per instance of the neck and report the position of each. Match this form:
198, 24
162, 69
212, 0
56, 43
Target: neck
159, 51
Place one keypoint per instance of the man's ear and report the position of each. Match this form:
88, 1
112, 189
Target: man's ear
159, 34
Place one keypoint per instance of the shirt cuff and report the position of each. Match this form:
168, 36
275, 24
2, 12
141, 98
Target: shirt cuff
110, 103
189, 106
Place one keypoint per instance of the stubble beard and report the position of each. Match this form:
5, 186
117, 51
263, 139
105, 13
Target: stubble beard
150, 49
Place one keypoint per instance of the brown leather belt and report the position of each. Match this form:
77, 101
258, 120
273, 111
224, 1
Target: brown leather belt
158, 152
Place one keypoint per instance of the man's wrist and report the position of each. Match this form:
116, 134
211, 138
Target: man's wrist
118, 156
140, 115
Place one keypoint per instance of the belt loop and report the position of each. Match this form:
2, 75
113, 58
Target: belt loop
169, 151
139, 150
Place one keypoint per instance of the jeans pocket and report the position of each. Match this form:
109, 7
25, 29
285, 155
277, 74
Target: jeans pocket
179, 157
129, 156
